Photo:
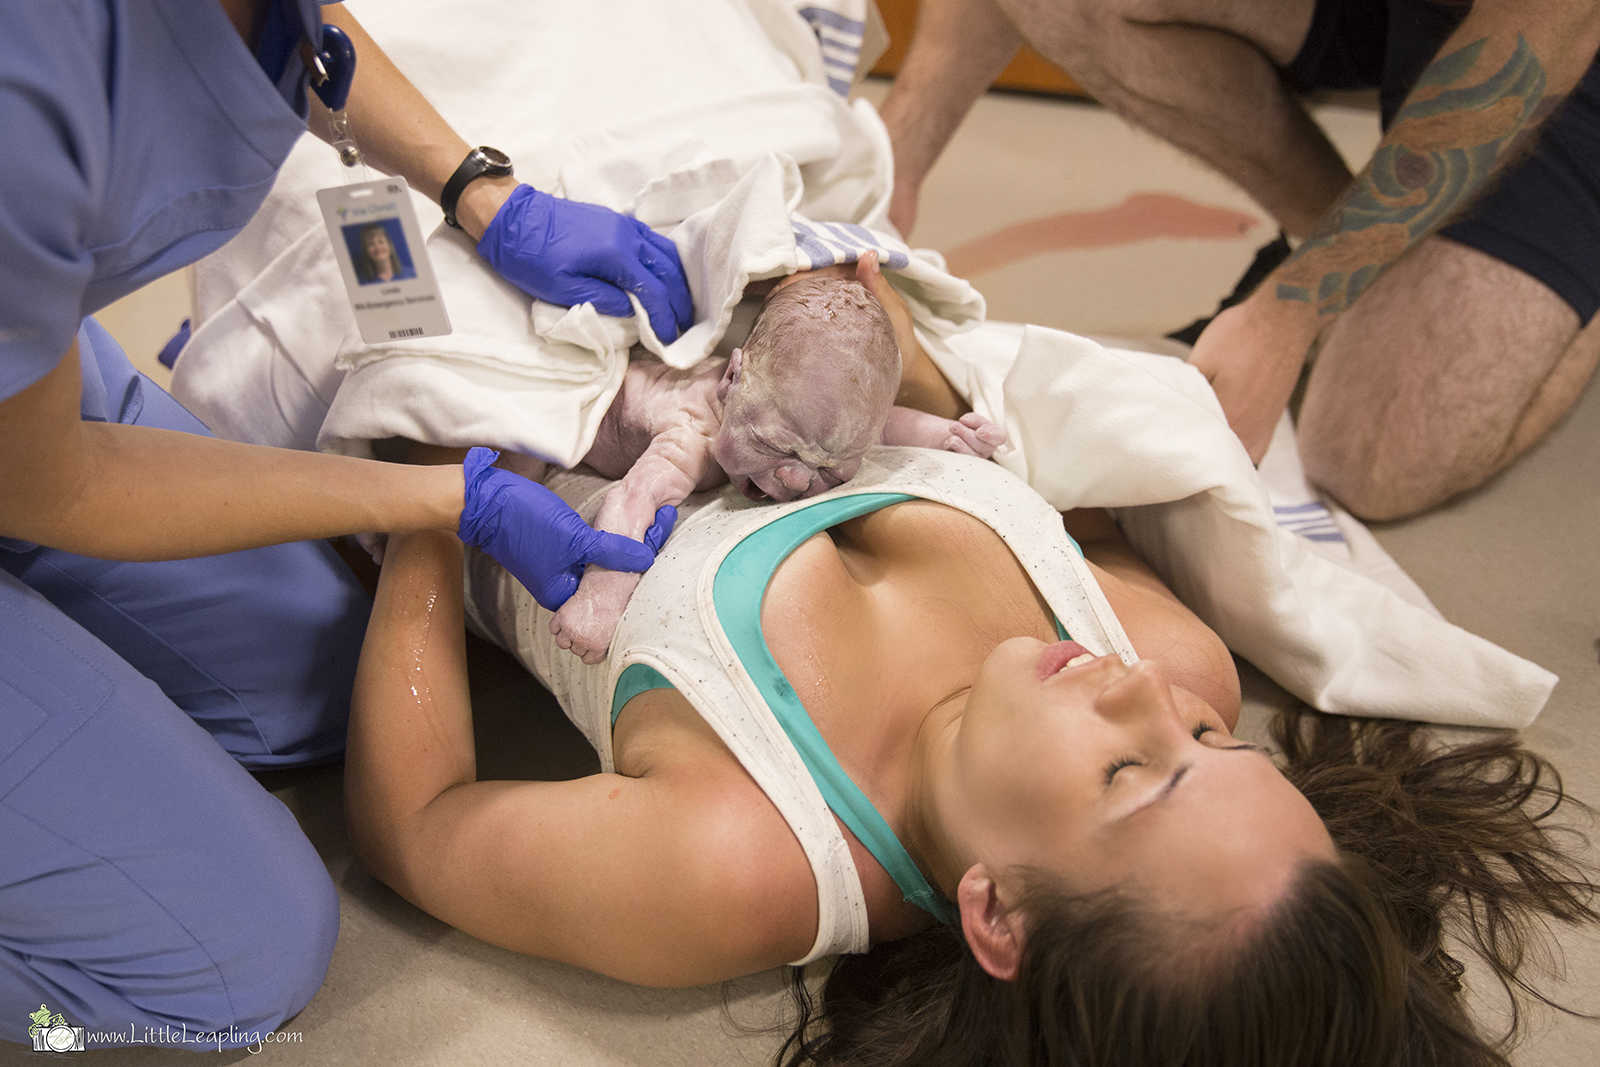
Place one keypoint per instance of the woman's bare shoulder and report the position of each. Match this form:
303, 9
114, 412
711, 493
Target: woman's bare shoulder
737, 853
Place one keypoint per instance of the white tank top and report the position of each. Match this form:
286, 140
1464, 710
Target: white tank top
672, 627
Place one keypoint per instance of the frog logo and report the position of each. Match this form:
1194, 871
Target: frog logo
50, 1032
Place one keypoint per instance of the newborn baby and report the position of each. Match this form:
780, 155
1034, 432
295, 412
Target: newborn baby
788, 415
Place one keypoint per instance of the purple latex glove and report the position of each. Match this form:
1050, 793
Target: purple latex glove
533, 534
568, 252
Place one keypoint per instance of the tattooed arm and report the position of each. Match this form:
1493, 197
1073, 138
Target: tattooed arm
1473, 109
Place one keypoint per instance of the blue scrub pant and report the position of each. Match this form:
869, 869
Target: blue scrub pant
146, 879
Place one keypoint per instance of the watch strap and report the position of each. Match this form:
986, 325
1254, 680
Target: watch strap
482, 161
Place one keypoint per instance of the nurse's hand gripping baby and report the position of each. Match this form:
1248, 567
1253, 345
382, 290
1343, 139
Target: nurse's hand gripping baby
788, 415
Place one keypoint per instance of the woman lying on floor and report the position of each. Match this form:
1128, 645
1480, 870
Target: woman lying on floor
1039, 850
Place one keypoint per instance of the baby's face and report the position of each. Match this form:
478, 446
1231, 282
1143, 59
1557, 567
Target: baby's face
804, 446
808, 395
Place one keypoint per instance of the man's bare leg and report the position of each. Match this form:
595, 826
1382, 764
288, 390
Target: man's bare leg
1449, 367
1204, 75
957, 51
1559, 392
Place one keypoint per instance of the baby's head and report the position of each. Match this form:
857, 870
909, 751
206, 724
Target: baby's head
808, 393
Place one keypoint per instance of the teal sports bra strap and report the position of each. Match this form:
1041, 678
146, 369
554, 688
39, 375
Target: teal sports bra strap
749, 567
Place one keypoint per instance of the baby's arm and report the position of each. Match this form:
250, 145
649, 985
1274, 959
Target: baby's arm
971, 434
677, 462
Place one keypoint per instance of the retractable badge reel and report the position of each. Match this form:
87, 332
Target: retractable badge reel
372, 223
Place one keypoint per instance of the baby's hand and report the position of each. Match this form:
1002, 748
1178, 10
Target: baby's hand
970, 435
974, 435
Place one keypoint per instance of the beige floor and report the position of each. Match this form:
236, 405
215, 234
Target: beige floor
1515, 562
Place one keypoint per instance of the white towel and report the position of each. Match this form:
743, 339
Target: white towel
1297, 506
756, 165
642, 107
1324, 526
1143, 434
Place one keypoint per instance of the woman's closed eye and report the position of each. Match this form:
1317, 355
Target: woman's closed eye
1199, 731
1117, 764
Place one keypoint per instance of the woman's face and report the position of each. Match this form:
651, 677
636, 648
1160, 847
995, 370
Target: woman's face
1109, 774
376, 244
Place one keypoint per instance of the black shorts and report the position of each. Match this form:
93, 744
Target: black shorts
1542, 214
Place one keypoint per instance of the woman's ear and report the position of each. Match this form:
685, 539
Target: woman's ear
730, 375
992, 927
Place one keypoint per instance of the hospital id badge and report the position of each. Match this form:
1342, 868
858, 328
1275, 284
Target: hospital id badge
385, 265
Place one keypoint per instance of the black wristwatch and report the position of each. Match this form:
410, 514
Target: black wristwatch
481, 162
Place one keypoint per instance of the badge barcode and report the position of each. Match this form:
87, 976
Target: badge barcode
410, 331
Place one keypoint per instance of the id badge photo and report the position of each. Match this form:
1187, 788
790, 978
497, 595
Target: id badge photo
383, 260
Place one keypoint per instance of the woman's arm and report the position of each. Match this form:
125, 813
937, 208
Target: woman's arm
135, 493
655, 879
400, 132
1157, 622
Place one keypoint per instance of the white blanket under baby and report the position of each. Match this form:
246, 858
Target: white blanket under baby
722, 124
747, 155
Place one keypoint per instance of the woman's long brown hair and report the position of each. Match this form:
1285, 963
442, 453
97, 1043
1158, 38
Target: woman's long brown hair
1439, 845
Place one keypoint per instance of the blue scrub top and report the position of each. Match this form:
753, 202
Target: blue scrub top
139, 135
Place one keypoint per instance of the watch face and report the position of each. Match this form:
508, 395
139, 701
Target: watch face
496, 159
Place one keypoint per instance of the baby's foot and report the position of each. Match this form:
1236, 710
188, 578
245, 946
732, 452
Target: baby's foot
585, 624
974, 435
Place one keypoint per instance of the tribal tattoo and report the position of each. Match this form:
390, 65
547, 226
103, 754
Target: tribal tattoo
1441, 151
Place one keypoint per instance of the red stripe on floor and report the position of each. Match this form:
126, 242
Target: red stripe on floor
1140, 217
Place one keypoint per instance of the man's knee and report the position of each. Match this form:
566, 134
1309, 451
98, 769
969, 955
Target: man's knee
1359, 489
1433, 382
1083, 37
1382, 468
1094, 40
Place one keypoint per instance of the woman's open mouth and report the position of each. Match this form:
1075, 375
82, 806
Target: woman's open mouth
1063, 655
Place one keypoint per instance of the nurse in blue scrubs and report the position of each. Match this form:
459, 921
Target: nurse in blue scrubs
169, 616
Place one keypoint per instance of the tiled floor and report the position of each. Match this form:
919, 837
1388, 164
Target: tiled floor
1515, 563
